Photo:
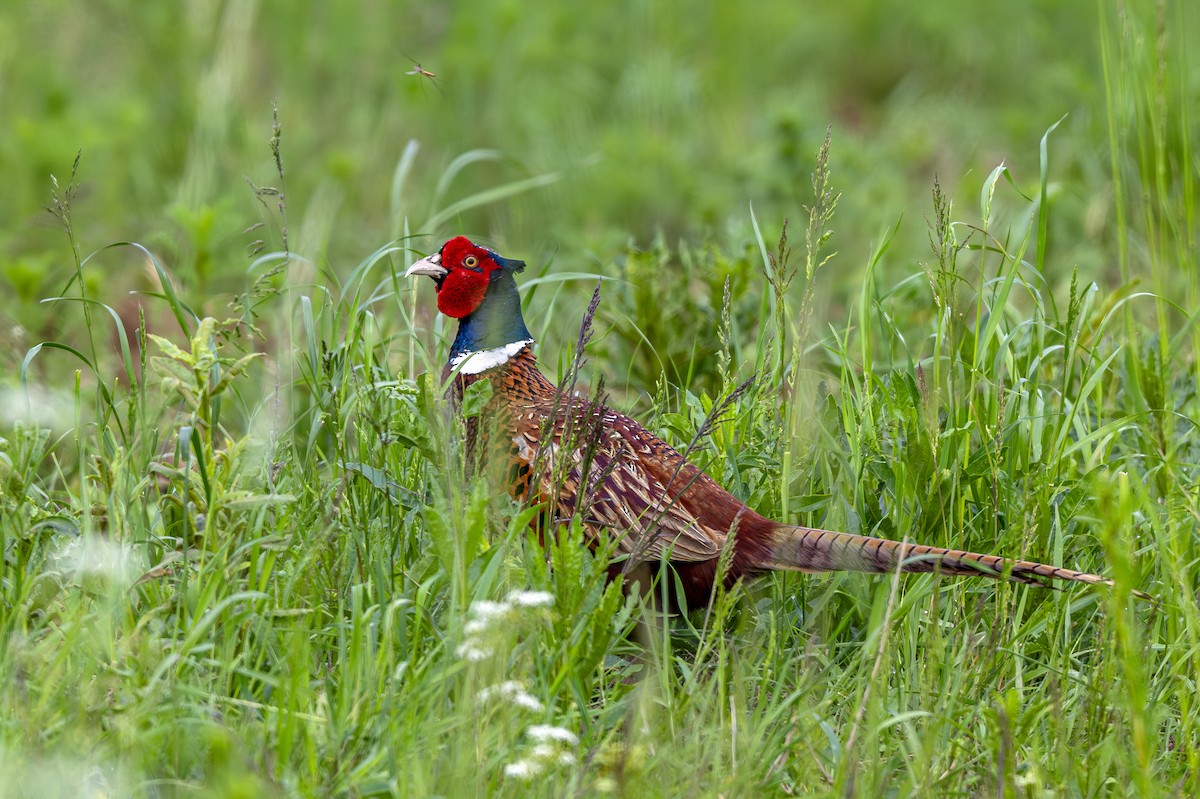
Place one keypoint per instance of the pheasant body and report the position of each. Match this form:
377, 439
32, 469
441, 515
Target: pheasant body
579, 458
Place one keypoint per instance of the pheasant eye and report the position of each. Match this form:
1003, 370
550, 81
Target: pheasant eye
470, 262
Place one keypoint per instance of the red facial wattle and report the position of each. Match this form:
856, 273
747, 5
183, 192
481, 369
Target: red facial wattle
461, 292
465, 285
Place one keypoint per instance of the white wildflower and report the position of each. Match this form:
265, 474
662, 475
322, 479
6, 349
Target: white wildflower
547, 749
527, 702
550, 753
475, 627
531, 599
90, 555
472, 651
522, 769
500, 689
486, 610
514, 692
546, 732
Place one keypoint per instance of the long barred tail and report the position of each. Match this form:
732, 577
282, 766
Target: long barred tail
810, 550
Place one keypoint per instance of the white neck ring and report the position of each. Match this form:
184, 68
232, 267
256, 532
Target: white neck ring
472, 363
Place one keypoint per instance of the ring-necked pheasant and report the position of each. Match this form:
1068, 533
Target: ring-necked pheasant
580, 457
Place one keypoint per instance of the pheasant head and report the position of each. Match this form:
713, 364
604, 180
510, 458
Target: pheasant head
476, 286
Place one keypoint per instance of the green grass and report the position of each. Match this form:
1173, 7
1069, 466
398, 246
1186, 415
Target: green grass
241, 556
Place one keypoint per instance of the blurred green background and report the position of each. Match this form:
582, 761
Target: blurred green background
989, 398
660, 120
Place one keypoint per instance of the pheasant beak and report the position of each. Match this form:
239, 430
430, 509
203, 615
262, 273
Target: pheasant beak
431, 266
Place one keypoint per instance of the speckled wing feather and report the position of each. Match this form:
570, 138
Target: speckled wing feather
621, 480
581, 457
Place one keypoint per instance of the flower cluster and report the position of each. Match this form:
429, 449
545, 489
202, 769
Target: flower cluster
551, 747
514, 692
484, 616
488, 626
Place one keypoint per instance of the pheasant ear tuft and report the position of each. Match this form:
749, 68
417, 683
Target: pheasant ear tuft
510, 263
